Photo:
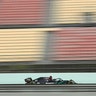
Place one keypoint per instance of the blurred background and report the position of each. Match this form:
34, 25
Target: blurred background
47, 36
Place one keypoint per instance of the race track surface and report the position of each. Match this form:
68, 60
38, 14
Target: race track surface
48, 90
48, 94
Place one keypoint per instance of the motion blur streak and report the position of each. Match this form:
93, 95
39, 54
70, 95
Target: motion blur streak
48, 94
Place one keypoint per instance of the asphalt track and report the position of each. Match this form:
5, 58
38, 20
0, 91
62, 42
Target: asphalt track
49, 90
49, 94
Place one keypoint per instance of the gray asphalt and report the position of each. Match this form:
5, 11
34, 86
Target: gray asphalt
48, 94
49, 90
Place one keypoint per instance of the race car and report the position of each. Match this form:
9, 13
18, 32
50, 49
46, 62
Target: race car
48, 80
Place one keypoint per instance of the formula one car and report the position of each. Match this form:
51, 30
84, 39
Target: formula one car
48, 80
